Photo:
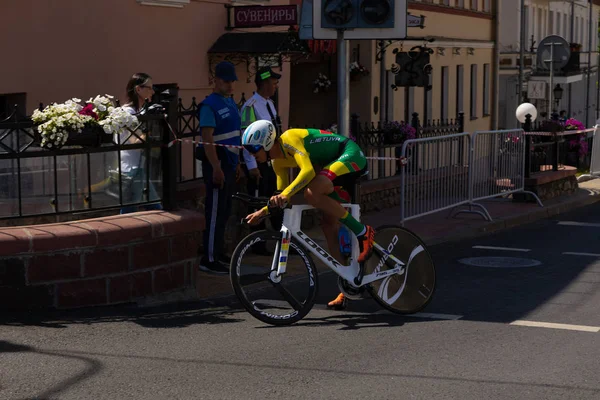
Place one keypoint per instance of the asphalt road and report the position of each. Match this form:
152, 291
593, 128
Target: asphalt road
472, 344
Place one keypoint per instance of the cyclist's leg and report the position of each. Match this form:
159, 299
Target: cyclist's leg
348, 167
331, 228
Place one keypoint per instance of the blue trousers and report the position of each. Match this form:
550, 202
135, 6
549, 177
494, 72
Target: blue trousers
217, 204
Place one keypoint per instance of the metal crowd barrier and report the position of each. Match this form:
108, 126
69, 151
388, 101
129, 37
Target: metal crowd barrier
436, 175
496, 168
595, 157
454, 171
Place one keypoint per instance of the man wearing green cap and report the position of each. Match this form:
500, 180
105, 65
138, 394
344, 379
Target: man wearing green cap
260, 106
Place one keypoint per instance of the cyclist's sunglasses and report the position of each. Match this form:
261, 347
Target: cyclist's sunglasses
252, 148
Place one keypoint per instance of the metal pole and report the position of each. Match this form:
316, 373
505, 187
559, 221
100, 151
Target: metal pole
382, 82
550, 89
343, 84
382, 100
572, 39
521, 52
589, 66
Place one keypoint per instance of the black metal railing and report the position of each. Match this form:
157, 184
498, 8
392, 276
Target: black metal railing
79, 177
385, 140
186, 126
549, 148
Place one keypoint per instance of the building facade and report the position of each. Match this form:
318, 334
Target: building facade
576, 22
58, 50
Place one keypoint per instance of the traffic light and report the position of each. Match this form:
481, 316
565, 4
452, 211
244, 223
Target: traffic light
359, 19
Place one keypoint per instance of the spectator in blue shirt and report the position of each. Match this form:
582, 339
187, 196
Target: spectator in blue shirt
219, 123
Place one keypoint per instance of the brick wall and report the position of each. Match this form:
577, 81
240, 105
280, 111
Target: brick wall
100, 261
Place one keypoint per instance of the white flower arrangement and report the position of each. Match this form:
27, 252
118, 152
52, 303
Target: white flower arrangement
57, 121
118, 120
355, 70
321, 84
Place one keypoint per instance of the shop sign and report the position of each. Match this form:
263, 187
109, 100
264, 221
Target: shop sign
257, 16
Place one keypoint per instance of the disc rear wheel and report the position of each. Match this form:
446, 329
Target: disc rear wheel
410, 290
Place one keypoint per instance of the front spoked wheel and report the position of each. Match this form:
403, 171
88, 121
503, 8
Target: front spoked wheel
410, 290
274, 300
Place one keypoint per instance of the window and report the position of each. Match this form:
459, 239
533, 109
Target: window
444, 100
411, 102
429, 97
551, 23
460, 86
473, 91
474, 4
164, 3
486, 89
460, 3
486, 6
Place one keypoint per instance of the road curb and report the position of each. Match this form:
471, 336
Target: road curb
514, 221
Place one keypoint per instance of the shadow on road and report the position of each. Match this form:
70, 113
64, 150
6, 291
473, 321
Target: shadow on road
92, 367
164, 316
310, 370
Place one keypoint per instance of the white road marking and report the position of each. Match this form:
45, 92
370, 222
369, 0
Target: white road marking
575, 223
501, 248
536, 324
573, 253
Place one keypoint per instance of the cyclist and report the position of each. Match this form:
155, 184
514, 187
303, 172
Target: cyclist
342, 162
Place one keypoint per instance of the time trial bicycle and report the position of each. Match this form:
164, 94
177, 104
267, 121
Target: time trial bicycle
280, 288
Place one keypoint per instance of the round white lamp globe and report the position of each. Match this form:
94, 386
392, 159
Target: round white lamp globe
523, 110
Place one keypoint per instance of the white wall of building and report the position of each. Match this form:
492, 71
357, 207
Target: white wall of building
544, 18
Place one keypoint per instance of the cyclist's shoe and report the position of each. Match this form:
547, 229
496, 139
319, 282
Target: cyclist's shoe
215, 267
339, 303
365, 243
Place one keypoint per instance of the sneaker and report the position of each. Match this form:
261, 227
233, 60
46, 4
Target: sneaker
215, 267
339, 303
225, 259
365, 243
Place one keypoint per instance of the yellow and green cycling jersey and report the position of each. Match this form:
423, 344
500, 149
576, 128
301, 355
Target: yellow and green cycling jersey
304, 148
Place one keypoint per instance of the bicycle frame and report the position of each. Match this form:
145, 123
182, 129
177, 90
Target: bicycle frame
292, 219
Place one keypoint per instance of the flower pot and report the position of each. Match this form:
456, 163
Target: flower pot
90, 136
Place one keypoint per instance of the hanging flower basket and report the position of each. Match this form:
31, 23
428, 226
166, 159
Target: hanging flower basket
357, 71
321, 84
91, 135
71, 124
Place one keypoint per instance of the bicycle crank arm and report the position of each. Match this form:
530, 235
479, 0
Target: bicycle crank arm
375, 276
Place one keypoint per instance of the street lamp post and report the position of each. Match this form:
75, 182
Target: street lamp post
558, 93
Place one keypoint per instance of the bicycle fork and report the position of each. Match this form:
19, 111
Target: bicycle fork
280, 256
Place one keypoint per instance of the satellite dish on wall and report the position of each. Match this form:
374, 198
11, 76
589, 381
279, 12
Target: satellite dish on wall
562, 52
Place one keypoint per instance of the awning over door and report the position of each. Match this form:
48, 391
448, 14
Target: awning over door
257, 43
